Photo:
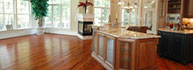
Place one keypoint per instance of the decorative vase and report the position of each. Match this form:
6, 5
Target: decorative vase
85, 10
40, 29
171, 25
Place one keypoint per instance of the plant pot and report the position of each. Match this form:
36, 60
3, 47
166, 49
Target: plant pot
40, 31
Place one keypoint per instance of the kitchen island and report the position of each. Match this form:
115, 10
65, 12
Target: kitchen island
118, 48
176, 45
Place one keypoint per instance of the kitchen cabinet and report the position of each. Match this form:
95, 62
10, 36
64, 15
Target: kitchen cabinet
174, 6
165, 44
178, 43
118, 49
176, 46
188, 8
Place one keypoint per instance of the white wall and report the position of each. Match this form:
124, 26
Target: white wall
74, 12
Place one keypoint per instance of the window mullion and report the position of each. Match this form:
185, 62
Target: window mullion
15, 14
102, 12
30, 16
3, 13
61, 12
52, 16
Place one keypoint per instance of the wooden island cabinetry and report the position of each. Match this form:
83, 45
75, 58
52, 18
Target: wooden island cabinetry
118, 49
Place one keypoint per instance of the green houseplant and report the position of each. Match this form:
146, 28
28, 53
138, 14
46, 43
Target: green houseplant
39, 10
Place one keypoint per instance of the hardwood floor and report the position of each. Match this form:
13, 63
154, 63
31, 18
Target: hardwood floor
58, 52
47, 52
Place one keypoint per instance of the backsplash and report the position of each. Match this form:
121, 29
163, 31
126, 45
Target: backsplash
188, 21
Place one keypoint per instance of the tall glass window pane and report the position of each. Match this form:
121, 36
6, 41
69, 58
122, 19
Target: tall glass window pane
66, 14
133, 18
23, 7
106, 3
23, 14
101, 11
50, 2
105, 15
56, 1
9, 16
8, 6
58, 14
1, 7
6, 13
2, 24
23, 21
98, 13
98, 3
48, 19
125, 17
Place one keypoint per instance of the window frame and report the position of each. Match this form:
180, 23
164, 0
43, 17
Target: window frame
102, 11
15, 16
29, 15
129, 18
61, 4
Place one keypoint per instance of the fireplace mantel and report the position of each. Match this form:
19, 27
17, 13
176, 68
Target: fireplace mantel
85, 17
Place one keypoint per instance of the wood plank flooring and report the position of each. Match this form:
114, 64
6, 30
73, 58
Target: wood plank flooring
58, 52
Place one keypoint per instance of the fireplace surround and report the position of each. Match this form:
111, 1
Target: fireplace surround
85, 22
85, 28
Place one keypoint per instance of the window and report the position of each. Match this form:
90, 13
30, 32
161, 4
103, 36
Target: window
129, 18
9, 16
125, 17
58, 14
6, 13
23, 14
101, 11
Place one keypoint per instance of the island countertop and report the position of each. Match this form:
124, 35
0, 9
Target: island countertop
185, 31
123, 33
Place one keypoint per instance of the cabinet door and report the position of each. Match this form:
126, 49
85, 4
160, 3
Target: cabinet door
110, 50
94, 41
164, 44
178, 45
101, 46
188, 8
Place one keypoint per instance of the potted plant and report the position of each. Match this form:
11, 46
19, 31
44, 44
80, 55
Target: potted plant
39, 10
87, 3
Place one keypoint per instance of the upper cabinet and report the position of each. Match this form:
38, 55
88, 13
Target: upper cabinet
174, 6
188, 8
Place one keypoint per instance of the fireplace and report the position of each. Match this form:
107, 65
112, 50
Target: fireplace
85, 28
85, 22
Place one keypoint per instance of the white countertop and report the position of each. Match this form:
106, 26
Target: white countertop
123, 33
185, 31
